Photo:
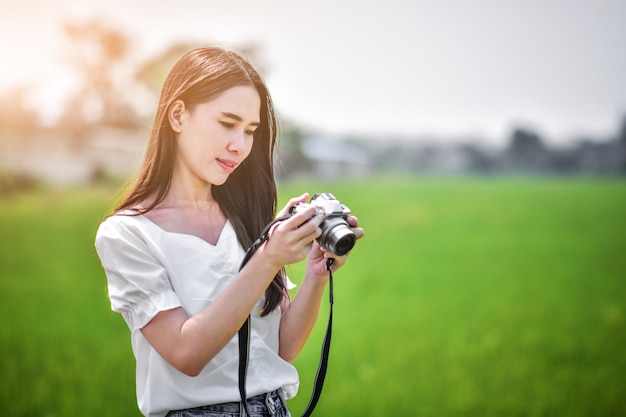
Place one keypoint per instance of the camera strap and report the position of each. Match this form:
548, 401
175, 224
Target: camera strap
244, 333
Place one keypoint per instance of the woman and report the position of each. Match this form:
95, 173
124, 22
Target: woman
173, 246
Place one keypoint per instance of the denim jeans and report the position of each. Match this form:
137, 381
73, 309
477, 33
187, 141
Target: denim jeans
265, 405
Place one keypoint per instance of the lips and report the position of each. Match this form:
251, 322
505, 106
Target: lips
227, 165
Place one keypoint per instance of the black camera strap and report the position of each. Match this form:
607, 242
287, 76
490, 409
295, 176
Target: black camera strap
244, 334
321, 369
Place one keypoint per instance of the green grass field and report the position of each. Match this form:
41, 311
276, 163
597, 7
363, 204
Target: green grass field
467, 297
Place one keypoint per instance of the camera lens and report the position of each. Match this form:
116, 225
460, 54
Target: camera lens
337, 236
345, 243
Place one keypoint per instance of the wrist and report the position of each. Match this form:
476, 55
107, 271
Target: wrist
265, 264
317, 277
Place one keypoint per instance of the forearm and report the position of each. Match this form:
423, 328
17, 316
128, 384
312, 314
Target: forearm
300, 317
190, 343
210, 330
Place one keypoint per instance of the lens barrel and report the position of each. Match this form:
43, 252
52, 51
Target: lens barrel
337, 236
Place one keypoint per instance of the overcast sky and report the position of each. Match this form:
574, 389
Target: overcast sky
446, 68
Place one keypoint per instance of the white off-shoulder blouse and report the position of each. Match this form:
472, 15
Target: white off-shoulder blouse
150, 270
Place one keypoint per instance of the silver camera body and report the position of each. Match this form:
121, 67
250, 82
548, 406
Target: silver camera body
337, 236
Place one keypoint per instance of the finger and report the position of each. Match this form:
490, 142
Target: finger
302, 228
292, 202
307, 249
306, 234
304, 216
338, 261
352, 221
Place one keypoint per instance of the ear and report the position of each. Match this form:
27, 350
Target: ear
175, 115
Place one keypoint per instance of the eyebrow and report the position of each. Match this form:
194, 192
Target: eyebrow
238, 118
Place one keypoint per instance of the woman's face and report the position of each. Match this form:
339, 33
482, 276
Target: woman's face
214, 137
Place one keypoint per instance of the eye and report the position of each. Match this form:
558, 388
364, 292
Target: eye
250, 132
228, 125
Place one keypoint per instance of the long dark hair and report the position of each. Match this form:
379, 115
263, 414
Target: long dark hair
248, 197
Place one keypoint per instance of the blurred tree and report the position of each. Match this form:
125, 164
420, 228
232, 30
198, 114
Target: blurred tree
526, 152
478, 159
152, 73
291, 159
98, 54
621, 147
17, 117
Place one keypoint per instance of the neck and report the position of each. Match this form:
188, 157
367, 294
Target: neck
189, 194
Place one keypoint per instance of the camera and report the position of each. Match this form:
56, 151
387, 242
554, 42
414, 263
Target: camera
336, 236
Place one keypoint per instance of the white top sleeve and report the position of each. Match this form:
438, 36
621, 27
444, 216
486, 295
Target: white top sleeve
139, 286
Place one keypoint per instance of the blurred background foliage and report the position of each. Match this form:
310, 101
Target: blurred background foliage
103, 124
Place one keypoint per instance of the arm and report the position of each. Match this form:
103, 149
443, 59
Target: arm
189, 343
300, 315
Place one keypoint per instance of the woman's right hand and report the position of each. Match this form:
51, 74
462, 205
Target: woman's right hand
291, 239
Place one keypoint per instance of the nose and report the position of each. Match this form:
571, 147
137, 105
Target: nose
237, 144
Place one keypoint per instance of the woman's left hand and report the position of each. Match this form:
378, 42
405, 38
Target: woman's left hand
319, 256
